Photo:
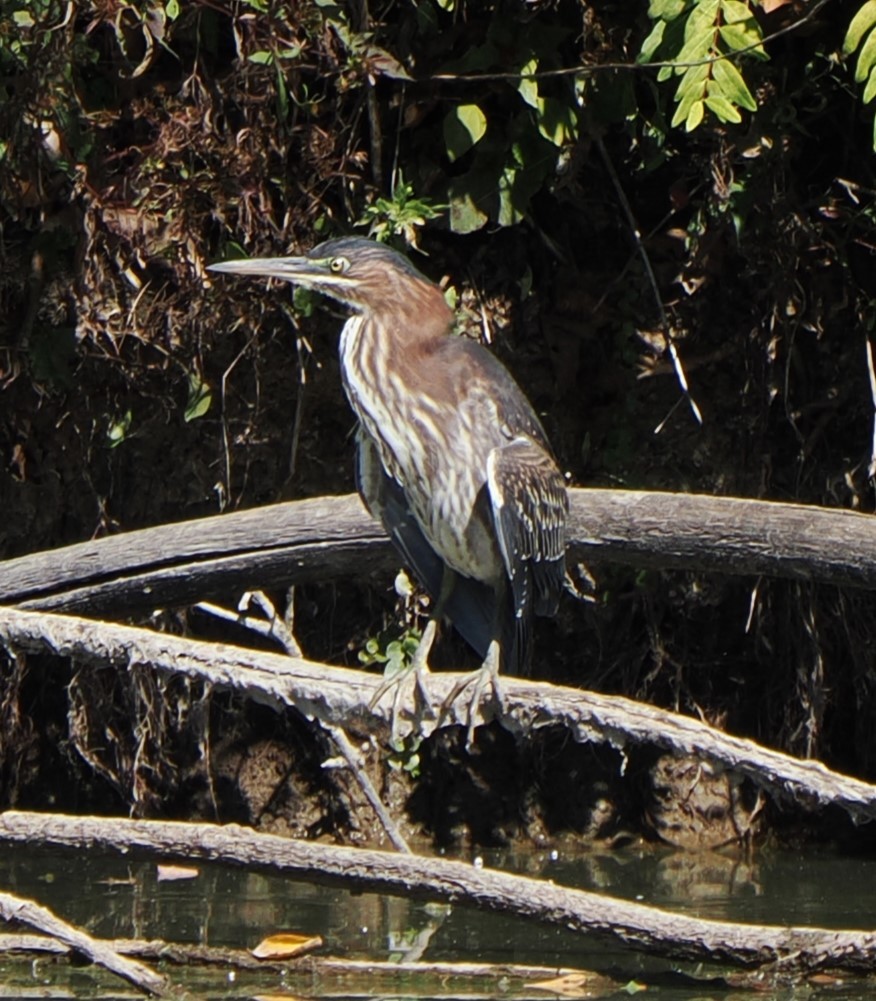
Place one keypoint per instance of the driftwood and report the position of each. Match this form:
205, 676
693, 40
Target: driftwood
332, 537
27, 912
414, 978
623, 922
338, 697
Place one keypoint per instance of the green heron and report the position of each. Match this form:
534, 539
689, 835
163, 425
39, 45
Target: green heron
451, 456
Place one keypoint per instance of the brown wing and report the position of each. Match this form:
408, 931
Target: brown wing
529, 500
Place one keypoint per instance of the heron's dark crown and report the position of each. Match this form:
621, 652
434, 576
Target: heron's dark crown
363, 254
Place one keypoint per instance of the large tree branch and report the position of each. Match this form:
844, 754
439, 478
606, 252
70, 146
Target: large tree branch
337, 696
637, 925
331, 537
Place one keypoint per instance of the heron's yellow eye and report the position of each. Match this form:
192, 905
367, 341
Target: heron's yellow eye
339, 265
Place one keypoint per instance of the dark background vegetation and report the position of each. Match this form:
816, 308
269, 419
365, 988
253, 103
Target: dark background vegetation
142, 141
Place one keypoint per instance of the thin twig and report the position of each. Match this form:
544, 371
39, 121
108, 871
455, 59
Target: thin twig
652, 279
871, 371
355, 764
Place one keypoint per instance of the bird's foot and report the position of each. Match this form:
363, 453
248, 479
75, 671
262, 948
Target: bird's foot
395, 682
486, 674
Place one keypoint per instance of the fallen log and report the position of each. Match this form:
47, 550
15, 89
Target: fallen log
338, 697
634, 925
334, 537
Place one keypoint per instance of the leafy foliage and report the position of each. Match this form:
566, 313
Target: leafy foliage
861, 34
700, 40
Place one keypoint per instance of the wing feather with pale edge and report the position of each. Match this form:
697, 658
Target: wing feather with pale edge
529, 500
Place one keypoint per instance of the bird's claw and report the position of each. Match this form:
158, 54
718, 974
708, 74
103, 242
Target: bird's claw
397, 683
487, 674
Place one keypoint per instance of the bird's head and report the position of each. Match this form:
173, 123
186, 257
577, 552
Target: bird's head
365, 275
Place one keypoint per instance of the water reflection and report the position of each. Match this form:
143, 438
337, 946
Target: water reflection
112, 897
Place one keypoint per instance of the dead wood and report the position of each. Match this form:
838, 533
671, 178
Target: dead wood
27, 912
333, 537
634, 925
196, 954
338, 697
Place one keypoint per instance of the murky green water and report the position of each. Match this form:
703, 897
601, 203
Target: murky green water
111, 897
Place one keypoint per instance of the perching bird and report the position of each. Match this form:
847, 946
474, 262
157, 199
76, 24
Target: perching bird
451, 456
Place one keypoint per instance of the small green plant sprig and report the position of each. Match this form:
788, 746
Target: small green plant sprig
399, 216
392, 650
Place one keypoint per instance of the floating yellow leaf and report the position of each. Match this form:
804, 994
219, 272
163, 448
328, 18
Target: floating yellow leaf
285, 945
582, 984
167, 873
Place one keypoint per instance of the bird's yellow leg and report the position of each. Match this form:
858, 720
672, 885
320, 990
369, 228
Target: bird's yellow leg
486, 674
419, 666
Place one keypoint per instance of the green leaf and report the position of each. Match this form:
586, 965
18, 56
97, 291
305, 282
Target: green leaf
736, 10
118, 430
743, 36
870, 89
723, 108
693, 82
464, 126
668, 10
556, 120
262, 57
651, 43
733, 87
172, 10
861, 23
704, 15
683, 109
697, 46
200, 398
694, 116
465, 215
528, 88
867, 58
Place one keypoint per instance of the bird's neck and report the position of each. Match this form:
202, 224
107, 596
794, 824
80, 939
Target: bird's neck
381, 353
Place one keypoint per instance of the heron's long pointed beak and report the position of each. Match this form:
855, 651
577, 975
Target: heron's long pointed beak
290, 269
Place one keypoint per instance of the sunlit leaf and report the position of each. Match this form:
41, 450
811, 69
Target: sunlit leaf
528, 87
668, 10
693, 82
262, 57
861, 23
870, 89
733, 87
735, 10
698, 46
469, 198
200, 398
867, 58
285, 945
118, 430
652, 42
746, 37
172, 9
556, 120
464, 126
694, 116
704, 15
723, 108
